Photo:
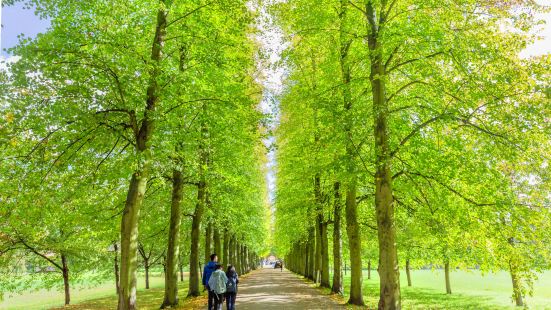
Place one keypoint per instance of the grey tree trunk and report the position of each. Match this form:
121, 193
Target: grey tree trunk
324, 257
173, 247
369, 269
146, 268
337, 287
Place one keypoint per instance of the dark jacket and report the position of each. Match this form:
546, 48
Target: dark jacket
207, 271
233, 275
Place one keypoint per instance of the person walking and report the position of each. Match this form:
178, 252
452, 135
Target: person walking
207, 272
217, 284
231, 287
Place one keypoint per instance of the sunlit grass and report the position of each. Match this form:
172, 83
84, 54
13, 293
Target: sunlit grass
470, 290
99, 297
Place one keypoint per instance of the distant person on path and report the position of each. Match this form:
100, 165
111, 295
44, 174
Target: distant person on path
217, 285
207, 272
231, 287
278, 264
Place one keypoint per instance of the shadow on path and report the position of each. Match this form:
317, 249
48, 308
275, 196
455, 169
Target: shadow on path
270, 288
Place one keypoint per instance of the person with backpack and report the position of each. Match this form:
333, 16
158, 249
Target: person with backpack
207, 272
231, 287
217, 285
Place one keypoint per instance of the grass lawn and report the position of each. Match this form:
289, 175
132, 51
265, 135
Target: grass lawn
470, 290
99, 297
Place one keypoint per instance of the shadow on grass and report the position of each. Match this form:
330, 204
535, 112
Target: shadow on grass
147, 299
423, 298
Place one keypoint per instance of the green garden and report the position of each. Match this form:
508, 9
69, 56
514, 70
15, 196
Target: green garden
393, 153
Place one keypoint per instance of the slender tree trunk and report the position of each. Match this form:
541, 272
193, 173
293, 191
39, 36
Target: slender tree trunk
116, 267
146, 268
311, 254
173, 247
337, 287
208, 242
317, 261
65, 272
352, 227
324, 257
181, 272
217, 244
447, 275
194, 265
517, 292
408, 272
369, 269
384, 204
136, 191
226, 250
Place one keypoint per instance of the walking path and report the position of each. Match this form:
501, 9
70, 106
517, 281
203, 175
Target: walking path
269, 288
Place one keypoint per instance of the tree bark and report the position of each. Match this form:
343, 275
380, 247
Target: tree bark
311, 253
136, 191
173, 247
317, 261
208, 242
337, 287
116, 266
194, 265
447, 275
324, 257
369, 269
65, 272
146, 268
389, 275
352, 227
408, 272
517, 292
217, 244
226, 250
181, 272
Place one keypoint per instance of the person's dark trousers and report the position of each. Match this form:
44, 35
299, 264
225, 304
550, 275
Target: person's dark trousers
212, 300
219, 301
230, 301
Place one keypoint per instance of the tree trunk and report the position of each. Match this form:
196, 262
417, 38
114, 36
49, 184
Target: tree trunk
369, 269
517, 292
389, 274
311, 254
352, 227
146, 268
116, 267
408, 272
317, 261
226, 250
447, 275
173, 247
181, 272
337, 287
65, 272
324, 257
194, 265
208, 242
136, 191
217, 244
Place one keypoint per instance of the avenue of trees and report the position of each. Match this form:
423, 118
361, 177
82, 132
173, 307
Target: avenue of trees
412, 134
131, 138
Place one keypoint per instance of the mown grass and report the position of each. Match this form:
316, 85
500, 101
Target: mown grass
99, 297
470, 290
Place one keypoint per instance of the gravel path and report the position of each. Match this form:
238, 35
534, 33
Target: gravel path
269, 288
